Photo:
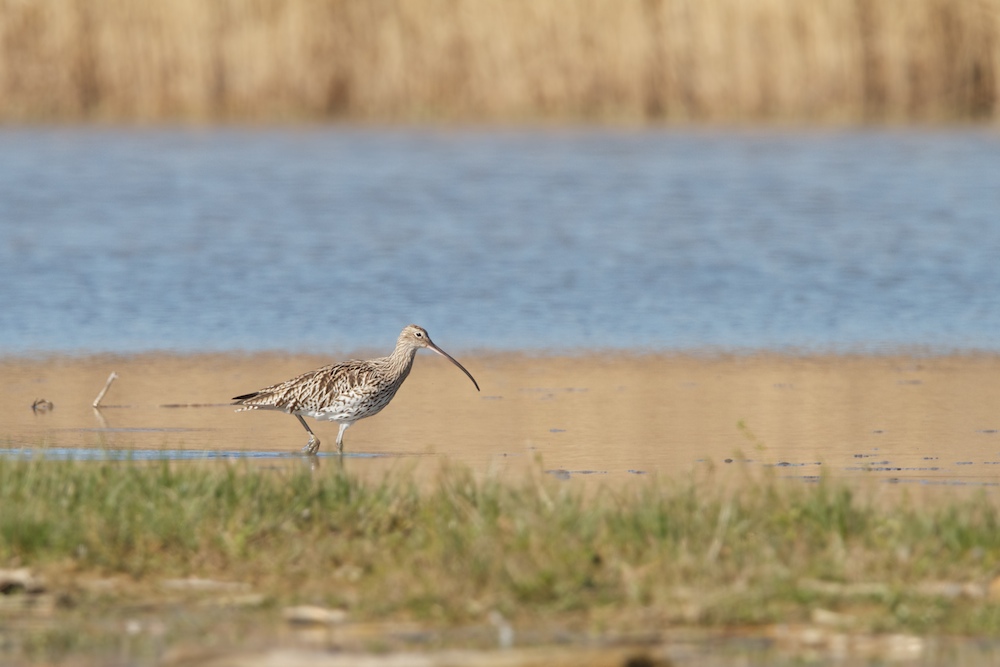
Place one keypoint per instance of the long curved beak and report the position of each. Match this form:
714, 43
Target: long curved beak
435, 348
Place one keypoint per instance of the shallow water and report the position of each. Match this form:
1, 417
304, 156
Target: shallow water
134, 454
920, 427
331, 239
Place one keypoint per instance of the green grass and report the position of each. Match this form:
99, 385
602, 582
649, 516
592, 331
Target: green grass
614, 560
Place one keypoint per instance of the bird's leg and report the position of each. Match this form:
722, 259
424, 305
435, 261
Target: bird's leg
340, 437
314, 443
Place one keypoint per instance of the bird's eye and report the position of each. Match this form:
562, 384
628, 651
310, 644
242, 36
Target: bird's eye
418, 335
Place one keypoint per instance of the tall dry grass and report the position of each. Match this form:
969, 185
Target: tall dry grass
696, 60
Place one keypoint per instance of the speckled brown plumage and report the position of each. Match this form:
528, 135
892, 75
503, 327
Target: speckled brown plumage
347, 391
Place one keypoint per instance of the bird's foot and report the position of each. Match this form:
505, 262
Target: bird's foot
312, 447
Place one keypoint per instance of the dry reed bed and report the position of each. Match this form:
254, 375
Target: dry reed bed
627, 60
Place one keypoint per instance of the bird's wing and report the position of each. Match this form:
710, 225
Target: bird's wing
316, 389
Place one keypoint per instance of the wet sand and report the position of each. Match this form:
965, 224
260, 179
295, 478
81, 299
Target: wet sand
888, 421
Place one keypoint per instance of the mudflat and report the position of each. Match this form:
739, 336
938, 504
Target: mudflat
900, 420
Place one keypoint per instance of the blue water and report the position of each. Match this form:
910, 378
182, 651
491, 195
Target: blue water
331, 239
133, 454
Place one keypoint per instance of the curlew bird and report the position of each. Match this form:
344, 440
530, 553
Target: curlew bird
348, 391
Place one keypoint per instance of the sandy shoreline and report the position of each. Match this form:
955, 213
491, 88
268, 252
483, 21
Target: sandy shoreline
914, 421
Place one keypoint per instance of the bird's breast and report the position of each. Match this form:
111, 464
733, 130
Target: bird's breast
352, 405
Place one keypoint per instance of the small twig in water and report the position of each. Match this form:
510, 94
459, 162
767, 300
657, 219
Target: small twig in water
750, 435
100, 396
100, 418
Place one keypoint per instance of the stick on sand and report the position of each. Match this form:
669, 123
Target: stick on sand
107, 385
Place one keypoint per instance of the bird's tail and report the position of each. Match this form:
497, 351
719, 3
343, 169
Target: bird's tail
243, 401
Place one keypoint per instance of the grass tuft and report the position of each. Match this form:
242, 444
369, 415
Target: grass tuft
669, 551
